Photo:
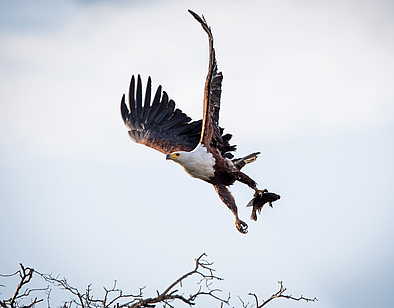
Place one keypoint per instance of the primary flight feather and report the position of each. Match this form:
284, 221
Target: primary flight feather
201, 147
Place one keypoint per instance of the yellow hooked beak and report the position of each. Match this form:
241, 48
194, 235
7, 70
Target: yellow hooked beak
172, 156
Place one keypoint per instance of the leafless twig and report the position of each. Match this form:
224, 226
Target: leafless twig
21, 292
280, 294
114, 297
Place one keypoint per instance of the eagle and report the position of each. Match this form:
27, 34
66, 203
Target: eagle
200, 147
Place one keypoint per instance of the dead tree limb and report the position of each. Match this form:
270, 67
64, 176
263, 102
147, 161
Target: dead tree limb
280, 294
22, 292
114, 297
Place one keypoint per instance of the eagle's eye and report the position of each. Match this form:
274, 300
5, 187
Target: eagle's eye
177, 154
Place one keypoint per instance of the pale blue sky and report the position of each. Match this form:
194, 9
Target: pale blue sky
309, 84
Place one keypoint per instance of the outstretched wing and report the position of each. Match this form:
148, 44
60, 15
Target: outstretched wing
158, 125
212, 92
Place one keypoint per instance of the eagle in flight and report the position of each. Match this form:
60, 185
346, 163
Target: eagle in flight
200, 146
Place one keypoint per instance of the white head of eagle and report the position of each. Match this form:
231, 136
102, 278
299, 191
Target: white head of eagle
199, 163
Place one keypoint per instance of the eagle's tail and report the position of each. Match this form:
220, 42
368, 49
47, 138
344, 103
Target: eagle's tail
241, 162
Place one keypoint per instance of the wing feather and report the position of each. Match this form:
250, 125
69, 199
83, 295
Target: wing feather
155, 104
211, 133
131, 97
138, 106
147, 100
159, 126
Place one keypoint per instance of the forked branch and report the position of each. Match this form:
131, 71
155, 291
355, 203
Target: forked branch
280, 294
22, 291
203, 273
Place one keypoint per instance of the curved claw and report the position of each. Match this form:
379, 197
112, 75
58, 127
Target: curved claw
241, 226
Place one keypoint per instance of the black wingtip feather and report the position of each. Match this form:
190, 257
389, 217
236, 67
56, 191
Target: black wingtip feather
155, 105
148, 92
138, 102
195, 15
123, 109
201, 20
131, 94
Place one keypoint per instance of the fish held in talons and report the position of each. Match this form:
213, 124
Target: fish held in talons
261, 197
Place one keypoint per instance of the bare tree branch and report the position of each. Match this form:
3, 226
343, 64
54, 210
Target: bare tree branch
280, 294
203, 273
21, 292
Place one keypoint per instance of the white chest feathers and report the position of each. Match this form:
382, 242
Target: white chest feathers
198, 163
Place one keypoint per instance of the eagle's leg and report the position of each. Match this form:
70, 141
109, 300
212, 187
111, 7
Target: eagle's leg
243, 178
227, 198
